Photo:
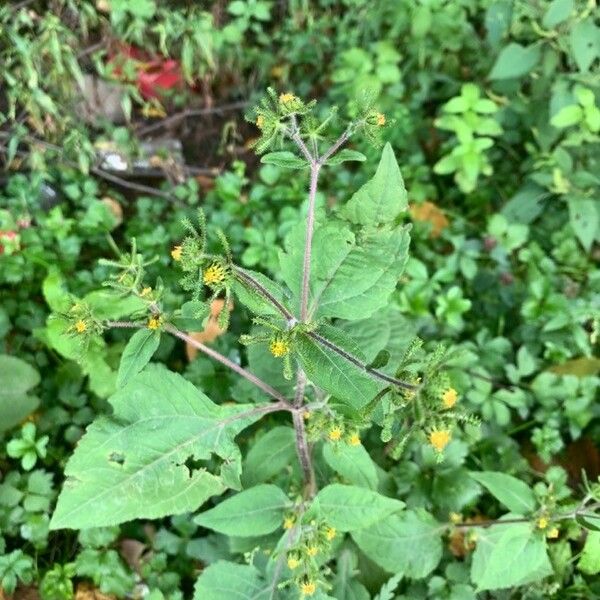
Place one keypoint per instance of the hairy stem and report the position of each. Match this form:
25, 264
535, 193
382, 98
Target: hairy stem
303, 449
310, 227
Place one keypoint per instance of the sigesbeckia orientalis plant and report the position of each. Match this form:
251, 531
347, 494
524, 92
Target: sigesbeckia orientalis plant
168, 449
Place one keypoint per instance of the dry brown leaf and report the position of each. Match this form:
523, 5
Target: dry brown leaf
132, 551
211, 330
430, 213
114, 207
86, 591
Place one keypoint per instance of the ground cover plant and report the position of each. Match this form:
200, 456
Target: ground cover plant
346, 347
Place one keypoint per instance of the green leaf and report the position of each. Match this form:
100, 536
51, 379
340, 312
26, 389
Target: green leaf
55, 294
228, 581
348, 508
585, 219
567, 116
285, 159
410, 543
133, 465
383, 198
350, 278
255, 300
250, 513
353, 463
558, 11
334, 373
16, 379
509, 556
138, 352
515, 61
269, 456
585, 43
346, 155
589, 563
516, 495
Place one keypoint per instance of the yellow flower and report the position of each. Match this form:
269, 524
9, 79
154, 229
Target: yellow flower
153, 323
312, 550
260, 121
439, 438
380, 119
288, 522
306, 415
279, 347
80, 326
354, 440
449, 398
542, 523
330, 533
335, 434
308, 588
552, 534
176, 253
293, 562
214, 275
145, 291
455, 517
287, 98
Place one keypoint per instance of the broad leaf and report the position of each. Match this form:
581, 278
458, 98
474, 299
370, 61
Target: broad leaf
589, 562
351, 277
558, 11
409, 543
348, 508
270, 455
133, 465
585, 43
16, 379
515, 61
584, 217
381, 199
516, 495
250, 513
508, 556
334, 373
138, 352
229, 581
353, 463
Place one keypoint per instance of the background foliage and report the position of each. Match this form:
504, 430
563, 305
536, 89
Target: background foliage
495, 122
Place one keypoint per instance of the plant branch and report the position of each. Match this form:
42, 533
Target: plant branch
265, 387
336, 145
303, 450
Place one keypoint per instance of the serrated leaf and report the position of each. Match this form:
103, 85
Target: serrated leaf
348, 508
287, 160
132, 465
409, 544
139, 350
516, 495
353, 463
381, 199
350, 278
334, 373
509, 556
346, 155
253, 512
515, 61
270, 455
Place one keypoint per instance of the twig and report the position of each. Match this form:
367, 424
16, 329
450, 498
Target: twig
191, 112
310, 226
304, 455
265, 387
